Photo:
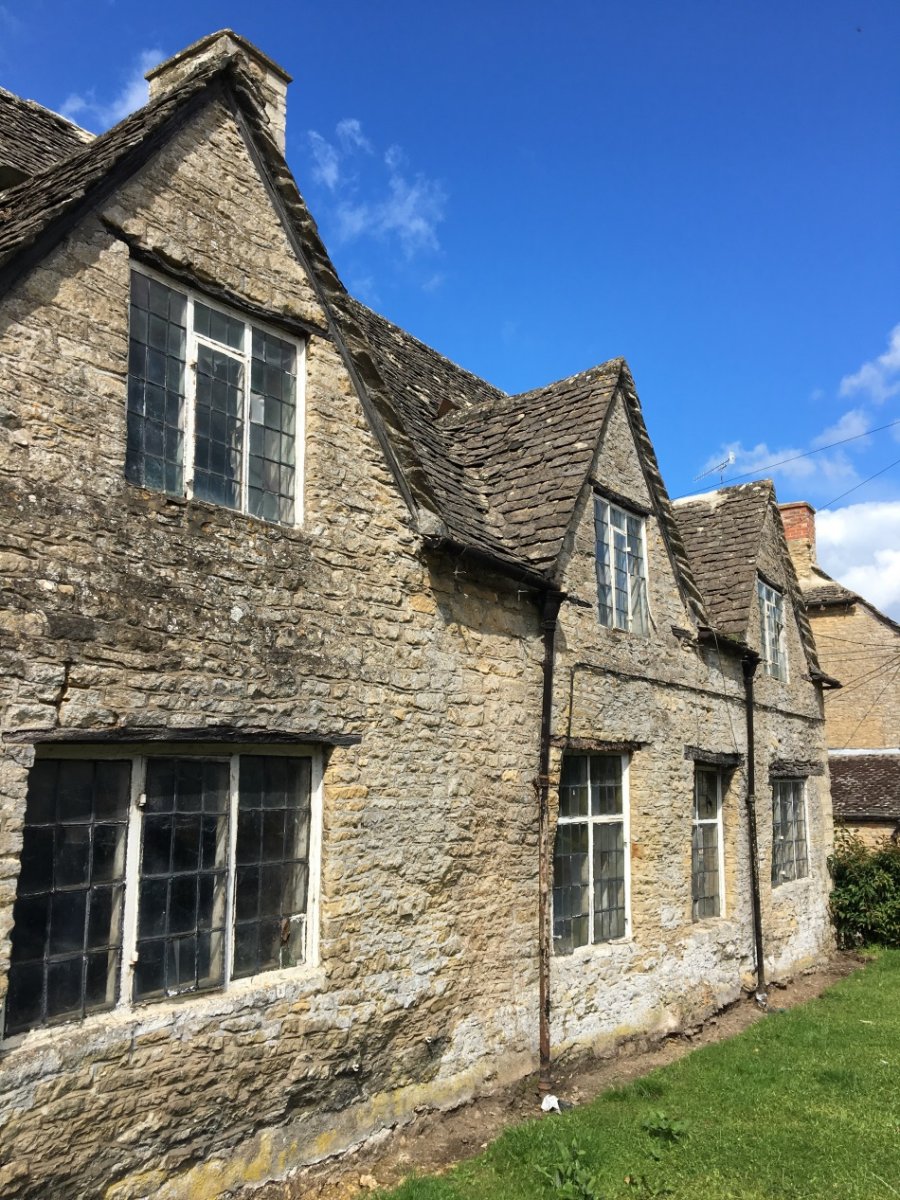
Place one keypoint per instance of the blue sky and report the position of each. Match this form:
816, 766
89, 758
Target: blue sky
710, 189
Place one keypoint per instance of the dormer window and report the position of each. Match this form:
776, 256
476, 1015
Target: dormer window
213, 404
621, 567
771, 630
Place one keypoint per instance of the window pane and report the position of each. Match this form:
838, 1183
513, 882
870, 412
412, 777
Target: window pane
606, 784
604, 578
272, 854
156, 385
570, 887
621, 579
181, 906
706, 795
273, 399
609, 881
789, 848
70, 897
219, 427
573, 786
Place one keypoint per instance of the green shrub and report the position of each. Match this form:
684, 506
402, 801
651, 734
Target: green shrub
865, 902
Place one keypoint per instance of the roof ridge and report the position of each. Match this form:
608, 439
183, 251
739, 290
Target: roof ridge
86, 135
431, 350
461, 417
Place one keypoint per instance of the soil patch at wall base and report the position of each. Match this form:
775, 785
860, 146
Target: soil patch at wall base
434, 1141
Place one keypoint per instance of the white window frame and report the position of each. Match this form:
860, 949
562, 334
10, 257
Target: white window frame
772, 630
799, 783
193, 341
138, 755
623, 818
608, 513
709, 769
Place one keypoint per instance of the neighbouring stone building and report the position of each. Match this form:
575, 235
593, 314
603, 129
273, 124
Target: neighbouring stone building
368, 734
861, 646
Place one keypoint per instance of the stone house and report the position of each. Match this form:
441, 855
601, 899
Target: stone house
370, 736
861, 646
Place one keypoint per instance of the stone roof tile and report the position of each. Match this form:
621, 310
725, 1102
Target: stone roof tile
865, 785
32, 137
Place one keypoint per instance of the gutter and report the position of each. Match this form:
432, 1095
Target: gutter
513, 570
749, 663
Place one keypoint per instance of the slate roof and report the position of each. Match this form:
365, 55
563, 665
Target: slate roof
865, 786
33, 138
500, 475
722, 532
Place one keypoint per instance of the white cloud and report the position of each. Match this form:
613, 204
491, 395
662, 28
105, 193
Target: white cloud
853, 424
413, 212
133, 94
350, 135
790, 463
879, 379
404, 209
860, 547
326, 161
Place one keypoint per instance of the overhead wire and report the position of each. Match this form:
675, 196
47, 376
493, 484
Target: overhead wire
807, 454
865, 715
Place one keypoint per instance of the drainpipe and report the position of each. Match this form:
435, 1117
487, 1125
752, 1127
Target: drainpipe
549, 617
749, 664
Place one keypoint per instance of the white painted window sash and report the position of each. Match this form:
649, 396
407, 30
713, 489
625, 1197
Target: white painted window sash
615, 521
624, 819
717, 821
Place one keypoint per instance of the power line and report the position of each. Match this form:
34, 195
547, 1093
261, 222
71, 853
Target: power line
864, 482
869, 709
806, 454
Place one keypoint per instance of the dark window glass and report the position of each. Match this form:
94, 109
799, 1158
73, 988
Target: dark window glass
272, 863
181, 901
273, 401
219, 428
156, 386
67, 917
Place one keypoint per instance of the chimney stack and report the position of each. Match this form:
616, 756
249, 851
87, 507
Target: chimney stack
800, 529
271, 79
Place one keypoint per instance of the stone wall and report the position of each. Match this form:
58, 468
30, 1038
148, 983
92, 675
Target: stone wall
860, 649
664, 693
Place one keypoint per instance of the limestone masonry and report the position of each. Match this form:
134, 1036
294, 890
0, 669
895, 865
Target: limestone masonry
278, 597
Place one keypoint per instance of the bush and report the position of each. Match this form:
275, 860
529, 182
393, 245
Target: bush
865, 902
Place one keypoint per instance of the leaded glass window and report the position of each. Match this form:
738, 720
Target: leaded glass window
621, 567
67, 917
789, 846
771, 630
706, 844
216, 875
590, 865
212, 404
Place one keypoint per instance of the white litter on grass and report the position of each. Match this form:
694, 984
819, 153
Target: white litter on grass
550, 1104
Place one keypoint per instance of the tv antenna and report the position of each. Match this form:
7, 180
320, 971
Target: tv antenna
718, 469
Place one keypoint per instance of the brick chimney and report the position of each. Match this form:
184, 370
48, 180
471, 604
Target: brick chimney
271, 79
800, 529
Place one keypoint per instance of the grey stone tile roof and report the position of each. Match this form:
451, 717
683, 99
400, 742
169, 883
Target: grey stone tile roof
865, 785
32, 137
722, 532
498, 474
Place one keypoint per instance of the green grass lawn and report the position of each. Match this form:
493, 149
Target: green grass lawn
805, 1104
